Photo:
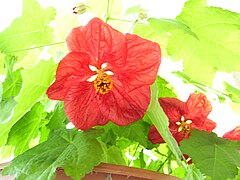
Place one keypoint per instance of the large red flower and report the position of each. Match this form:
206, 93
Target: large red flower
233, 134
184, 116
106, 75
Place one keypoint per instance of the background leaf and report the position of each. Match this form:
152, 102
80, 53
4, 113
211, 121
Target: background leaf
218, 43
26, 129
13, 82
30, 29
75, 151
214, 156
6, 110
35, 84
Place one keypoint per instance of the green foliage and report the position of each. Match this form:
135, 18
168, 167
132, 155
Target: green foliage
217, 46
233, 92
158, 30
160, 121
113, 155
35, 84
75, 151
214, 156
28, 30
193, 173
13, 82
57, 118
164, 88
26, 129
202, 87
136, 132
6, 110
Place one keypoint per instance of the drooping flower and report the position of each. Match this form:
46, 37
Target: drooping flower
233, 134
106, 76
184, 117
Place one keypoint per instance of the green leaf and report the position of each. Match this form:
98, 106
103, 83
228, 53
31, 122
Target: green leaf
35, 84
158, 30
193, 173
26, 129
214, 156
28, 30
113, 155
164, 88
136, 131
7, 110
75, 151
57, 118
233, 92
217, 46
160, 121
202, 87
13, 82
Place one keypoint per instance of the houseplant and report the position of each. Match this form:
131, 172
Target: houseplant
126, 66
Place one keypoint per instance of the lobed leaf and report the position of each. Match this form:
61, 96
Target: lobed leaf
75, 151
212, 155
217, 46
35, 84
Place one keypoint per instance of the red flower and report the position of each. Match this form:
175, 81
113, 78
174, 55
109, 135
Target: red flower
233, 134
106, 76
184, 116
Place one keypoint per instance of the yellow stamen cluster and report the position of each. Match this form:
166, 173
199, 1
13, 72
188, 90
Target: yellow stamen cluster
184, 126
103, 83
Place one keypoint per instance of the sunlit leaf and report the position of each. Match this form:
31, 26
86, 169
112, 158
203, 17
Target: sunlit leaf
218, 43
213, 156
28, 30
26, 129
13, 81
233, 92
75, 151
164, 88
159, 30
6, 110
35, 84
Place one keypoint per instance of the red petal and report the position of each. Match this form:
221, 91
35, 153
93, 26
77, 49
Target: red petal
123, 107
154, 136
143, 60
73, 68
233, 134
198, 108
82, 106
104, 43
209, 125
173, 108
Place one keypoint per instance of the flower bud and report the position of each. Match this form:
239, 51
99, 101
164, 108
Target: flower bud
80, 8
142, 16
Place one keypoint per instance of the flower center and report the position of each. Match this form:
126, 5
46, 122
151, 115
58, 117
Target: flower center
184, 126
102, 81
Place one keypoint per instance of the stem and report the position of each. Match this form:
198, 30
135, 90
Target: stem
107, 13
160, 167
26, 49
157, 151
116, 19
133, 25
